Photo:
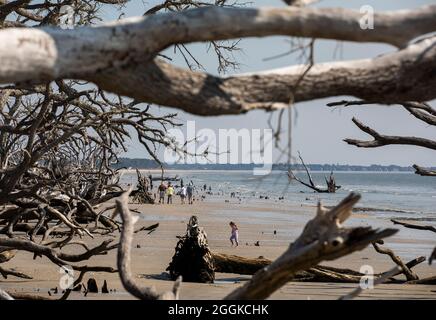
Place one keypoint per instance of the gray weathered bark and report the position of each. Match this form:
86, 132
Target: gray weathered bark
116, 56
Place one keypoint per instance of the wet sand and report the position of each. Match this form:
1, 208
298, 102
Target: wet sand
257, 220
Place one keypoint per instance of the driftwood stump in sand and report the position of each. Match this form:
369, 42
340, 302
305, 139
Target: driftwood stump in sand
143, 192
193, 259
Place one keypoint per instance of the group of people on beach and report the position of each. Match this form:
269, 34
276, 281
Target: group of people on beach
168, 190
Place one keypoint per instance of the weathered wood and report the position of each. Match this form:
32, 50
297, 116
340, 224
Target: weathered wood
6, 254
123, 257
410, 275
47, 54
6, 272
142, 193
225, 263
414, 225
429, 280
117, 58
193, 259
331, 182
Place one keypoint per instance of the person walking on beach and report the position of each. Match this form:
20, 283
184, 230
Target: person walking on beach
183, 194
162, 188
234, 235
170, 192
190, 192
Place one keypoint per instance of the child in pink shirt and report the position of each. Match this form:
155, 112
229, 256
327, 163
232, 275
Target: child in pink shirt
234, 236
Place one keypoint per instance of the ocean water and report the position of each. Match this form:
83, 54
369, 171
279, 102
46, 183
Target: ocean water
392, 194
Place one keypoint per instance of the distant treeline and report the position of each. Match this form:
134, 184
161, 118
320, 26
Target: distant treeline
151, 164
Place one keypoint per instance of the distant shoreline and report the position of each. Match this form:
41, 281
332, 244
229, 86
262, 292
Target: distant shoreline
148, 164
154, 170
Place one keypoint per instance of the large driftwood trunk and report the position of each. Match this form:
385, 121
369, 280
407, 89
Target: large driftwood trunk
225, 263
193, 259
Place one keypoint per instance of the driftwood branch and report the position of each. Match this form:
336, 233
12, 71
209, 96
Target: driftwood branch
414, 225
118, 57
323, 238
383, 140
369, 79
424, 171
330, 182
419, 110
57, 257
47, 53
410, 275
8, 272
241, 265
123, 260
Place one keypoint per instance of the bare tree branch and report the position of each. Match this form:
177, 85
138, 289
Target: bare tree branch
414, 226
410, 275
46, 54
383, 140
123, 261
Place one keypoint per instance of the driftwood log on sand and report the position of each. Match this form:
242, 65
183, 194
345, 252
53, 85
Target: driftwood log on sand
225, 263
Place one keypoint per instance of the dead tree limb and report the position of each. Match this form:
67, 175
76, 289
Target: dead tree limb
6, 254
125, 67
331, 183
89, 50
418, 227
273, 89
9, 272
429, 280
419, 110
27, 296
414, 225
123, 259
424, 171
226, 263
323, 238
383, 140
57, 257
410, 275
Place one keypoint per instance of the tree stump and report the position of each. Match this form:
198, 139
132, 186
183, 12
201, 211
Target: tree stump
143, 192
193, 259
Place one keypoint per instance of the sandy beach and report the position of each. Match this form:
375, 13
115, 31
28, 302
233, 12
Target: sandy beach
257, 220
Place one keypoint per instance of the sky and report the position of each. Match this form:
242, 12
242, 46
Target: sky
317, 131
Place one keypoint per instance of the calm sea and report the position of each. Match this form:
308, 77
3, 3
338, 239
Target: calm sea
389, 193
